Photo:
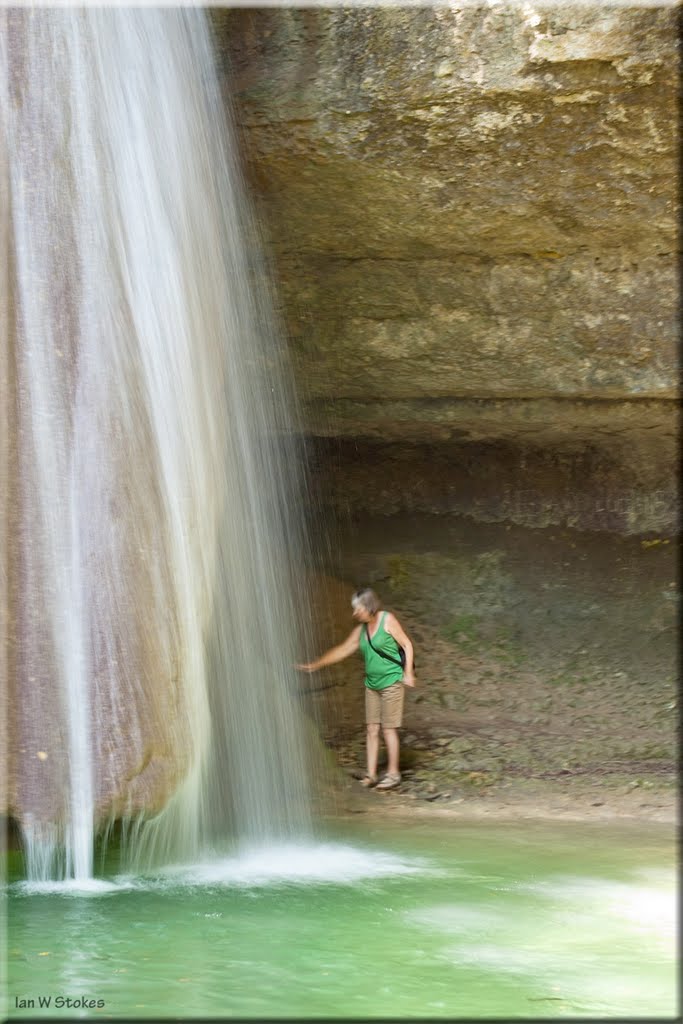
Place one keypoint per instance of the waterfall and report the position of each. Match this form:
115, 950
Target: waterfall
154, 490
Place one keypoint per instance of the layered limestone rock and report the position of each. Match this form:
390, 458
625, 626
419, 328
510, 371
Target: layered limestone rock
471, 211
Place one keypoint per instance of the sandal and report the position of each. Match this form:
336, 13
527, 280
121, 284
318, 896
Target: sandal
369, 781
390, 781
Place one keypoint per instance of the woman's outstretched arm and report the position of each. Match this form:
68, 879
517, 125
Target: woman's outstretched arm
335, 654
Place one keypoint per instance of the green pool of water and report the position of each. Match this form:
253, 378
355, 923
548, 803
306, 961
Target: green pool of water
402, 920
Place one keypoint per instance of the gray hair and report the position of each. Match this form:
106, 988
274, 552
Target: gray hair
368, 598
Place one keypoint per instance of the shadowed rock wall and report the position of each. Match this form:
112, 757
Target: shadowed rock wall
472, 218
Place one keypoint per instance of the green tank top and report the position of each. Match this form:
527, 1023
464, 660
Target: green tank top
379, 672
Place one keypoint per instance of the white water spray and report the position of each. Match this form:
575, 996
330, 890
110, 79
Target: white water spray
152, 601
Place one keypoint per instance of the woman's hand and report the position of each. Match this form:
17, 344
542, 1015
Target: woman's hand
408, 679
334, 654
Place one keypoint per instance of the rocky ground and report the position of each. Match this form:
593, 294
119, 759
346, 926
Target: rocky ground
561, 703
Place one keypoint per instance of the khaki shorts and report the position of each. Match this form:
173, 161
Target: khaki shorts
384, 707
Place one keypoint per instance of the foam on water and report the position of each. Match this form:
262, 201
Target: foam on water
252, 867
71, 887
299, 863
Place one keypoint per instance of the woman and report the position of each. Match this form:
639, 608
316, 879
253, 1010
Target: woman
378, 637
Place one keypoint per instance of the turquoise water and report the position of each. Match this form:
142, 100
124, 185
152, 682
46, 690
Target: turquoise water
401, 920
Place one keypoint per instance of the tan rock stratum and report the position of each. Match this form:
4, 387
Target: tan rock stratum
472, 213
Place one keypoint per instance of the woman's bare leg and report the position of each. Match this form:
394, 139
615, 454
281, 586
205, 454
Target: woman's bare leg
372, 747
392, 744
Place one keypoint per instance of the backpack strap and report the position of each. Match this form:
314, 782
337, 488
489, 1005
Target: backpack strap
388, 657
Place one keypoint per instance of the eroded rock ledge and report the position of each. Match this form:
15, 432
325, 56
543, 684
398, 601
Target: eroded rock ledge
471, 213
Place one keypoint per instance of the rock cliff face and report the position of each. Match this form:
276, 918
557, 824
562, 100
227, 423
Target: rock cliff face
471, 212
